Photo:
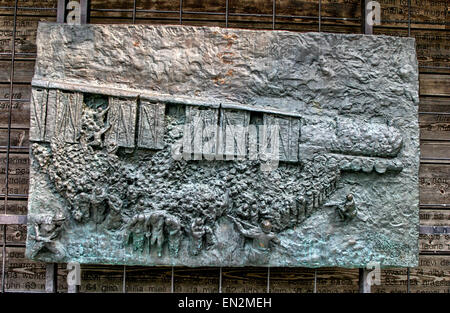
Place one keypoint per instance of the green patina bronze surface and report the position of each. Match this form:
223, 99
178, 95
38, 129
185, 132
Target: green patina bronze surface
196, 146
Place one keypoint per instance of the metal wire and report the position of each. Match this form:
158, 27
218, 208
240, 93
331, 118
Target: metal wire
226, 13
3, 258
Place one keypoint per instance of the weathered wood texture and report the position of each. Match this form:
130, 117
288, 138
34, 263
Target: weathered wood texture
428, 18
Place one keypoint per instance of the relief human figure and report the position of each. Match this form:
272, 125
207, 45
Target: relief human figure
136, 232
197, 231
98, 204
81, 203
347, 211
299, 210
46, 230
92, 126
156, 222
262, 239
114, 218
173, 228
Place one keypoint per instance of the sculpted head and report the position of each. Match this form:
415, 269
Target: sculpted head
266, 226
350, 197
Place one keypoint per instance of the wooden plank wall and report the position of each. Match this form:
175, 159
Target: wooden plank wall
426, 20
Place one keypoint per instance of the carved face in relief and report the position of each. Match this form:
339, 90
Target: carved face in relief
266, 226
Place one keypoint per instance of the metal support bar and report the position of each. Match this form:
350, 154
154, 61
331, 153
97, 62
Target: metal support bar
315, 281
434, 230
172, 281
51, 275
408, 287
366, 27
4, 258
268, 279
124, 286
220, 279
226, 13
364, 286
61, 11
85, 11
6, 219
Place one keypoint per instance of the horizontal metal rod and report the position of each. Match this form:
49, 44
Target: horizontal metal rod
7, 219
431, 230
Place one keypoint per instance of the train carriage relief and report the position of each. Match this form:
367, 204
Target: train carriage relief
122, 120
276, 159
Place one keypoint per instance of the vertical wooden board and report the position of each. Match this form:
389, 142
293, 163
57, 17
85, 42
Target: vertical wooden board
141, 279
196, 280
291, 280
289, 129
434, 217
122, 118
67, 120
244, 279
234, 127
336, 280
18, 177
432, 275
23, 275
20, 110
200, 132
434, 184
151, 125
101, 279
38, 113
